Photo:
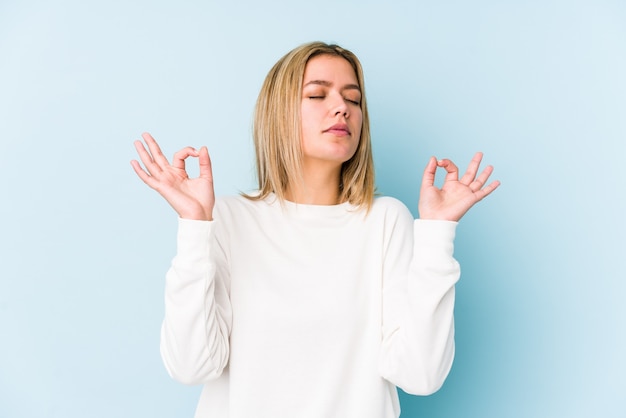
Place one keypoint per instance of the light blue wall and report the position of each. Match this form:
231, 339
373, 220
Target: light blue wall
539, 86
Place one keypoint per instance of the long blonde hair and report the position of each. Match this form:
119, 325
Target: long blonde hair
277, 130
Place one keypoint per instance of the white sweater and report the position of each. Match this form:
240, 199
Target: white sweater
310, 311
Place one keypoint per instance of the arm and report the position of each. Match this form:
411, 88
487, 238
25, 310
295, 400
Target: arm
196, 328
198, 315
418, 304
419, 277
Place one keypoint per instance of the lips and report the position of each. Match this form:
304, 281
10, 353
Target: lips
340, 129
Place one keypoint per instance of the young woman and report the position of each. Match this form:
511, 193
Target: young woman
310, 297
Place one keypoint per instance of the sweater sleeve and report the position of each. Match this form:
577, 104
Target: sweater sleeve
198, 315
419, 275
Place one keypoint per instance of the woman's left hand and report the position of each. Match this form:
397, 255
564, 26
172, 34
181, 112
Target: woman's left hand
456, 196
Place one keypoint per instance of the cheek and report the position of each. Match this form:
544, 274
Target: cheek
308, 118
359, 125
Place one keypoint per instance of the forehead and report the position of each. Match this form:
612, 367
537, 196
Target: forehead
330, 68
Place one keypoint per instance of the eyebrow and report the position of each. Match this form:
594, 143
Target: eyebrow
328, 84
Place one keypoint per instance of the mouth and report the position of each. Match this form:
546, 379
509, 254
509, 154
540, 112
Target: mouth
339, 129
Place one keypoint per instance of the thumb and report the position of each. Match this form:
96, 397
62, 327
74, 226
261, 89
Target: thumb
428, 178
206, 170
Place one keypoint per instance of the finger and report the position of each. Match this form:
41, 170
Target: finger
452, 171
472, 169
147, 160
206, 169
428, 179
487, 190
145, 177
179, 158
482, 179
155, 150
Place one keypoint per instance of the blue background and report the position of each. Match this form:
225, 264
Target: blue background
538, 86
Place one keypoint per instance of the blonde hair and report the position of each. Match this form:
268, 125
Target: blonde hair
277, 130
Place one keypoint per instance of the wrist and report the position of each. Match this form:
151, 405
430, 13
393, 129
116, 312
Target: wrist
196, 216
436, 216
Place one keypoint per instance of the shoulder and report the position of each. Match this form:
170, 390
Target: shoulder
240, 206
388, 206
235, 215
390, 214
229, 200
233, 203
389, 202
394, 221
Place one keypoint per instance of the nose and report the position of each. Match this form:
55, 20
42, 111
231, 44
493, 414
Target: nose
340, 107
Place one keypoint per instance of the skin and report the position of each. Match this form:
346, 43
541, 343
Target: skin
456, 196
328, 99
331, 128
190, 198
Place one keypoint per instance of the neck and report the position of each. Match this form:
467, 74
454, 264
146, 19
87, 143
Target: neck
317, 187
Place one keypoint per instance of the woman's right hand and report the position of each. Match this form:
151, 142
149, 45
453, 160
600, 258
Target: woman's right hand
190, 198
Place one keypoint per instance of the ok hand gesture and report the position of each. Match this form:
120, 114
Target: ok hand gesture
456, 196
190, 198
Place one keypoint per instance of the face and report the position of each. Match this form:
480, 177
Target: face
331, 112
